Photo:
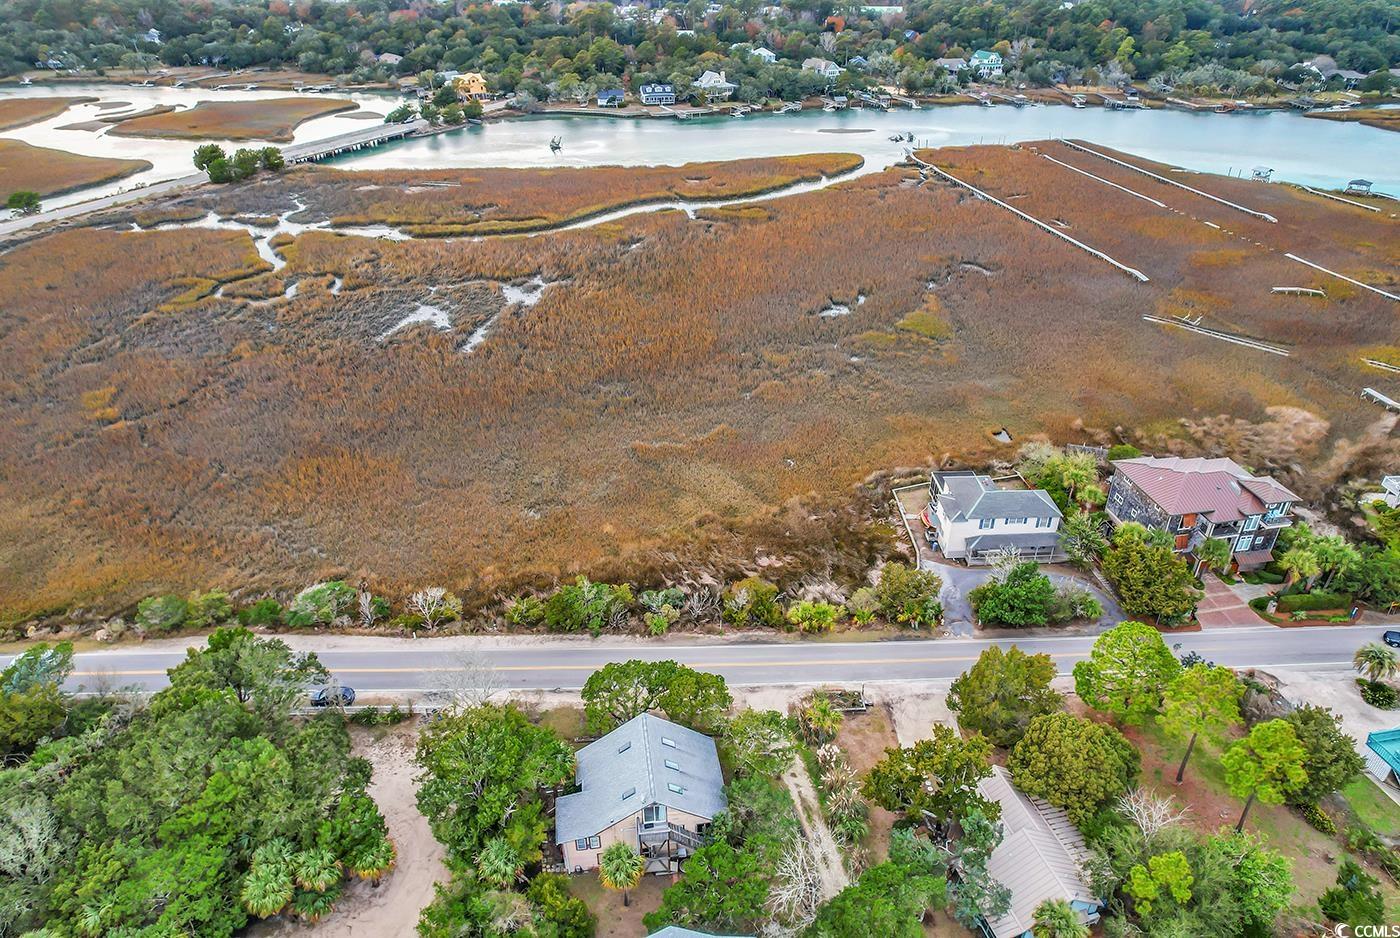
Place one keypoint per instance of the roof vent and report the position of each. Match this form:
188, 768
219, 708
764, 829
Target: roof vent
628, 793
625, 746
668, 741
675, 788
671, 764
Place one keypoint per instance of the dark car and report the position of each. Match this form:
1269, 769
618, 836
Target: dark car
333, 697
1392, 638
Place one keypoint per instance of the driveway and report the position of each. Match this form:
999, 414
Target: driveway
1223, 608
958, 581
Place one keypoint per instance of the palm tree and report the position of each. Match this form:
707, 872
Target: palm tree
266, 889
1301, 563
1378, 662
1056, 918
620, 867
316, 869
373, 860
498, 863
1214, 554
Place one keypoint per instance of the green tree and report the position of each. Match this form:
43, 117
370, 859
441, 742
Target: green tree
1214, 554
1126, 672
1378, 662
760, 742
263, 671
472, 110
1300, 563
558, 914
936, 776
271, 159
1169, 872
1331, 760
23, 202
1081, 540
1002, 692
1151, 579
619, 691
620, 867
245, 162
978, 895
1356, 899
909, 596
1056, 918
721, 889
206, 154
1073, 763
482, 765
498, 863
161, 613
585, 606
888, 900
1203, 698
1021, 597
1267, 765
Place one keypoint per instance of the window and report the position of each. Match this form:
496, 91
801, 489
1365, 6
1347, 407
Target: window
628, 793
625, 746
1015, 520
668, 741
1251, 522
986, 523
675, 788
654, 814
588, 843
670, 764
1044, 522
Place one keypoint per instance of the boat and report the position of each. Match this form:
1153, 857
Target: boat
897, 138
986, 102
474, 121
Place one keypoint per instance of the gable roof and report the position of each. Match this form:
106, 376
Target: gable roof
967, 496
713, 79
1040, 857
1383, 752
1220, 488
627, 770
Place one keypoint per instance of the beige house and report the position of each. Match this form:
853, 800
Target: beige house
470, 86
651, 784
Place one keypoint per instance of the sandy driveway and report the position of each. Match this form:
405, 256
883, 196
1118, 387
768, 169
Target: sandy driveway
391, 909
809, 815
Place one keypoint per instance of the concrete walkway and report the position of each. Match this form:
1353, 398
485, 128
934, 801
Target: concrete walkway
1223, 608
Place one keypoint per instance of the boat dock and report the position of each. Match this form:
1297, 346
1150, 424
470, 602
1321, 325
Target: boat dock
364, 139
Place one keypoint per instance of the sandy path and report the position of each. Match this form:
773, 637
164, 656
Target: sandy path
365, 911
809, 815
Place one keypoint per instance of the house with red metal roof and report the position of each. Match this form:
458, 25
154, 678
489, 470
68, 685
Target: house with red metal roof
1194, 500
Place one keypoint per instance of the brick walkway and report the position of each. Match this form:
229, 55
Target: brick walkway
1222, 608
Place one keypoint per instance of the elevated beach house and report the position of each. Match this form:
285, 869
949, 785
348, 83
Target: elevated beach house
657, 93
1197, 499
649, 783
1041, 857
715, 86
975, 519
823, 67
611, 97
986, 64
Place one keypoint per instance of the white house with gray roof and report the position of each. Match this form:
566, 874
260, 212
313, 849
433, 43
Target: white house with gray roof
1041, 856
651, 784
975, 519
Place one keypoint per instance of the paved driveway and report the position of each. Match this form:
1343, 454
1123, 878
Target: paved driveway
1223, 608
958, 581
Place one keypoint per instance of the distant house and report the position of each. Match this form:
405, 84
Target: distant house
882, 9
767, 55
951, 66
1359, 187
986, 64
1041, 857
1194, 500
1350, 76
390, 59
659, 93
447, 77
858, 61
976, 519
1383, 757
715, 85
823, 67
1390, 491
651, 784
611, 97
470, 86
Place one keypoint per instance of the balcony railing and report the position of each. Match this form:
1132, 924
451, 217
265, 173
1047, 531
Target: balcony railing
1276, 521
664, 831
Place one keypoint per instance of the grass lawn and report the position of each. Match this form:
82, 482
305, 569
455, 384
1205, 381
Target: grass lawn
1373, 807
567, 721
49, 172
614, 919
1314, 854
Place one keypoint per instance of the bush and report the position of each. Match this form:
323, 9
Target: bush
375, 716
1262, 577
206, 609
814, 616
525, 612
1300, 602
1381, 696
264, 612
162, 613
657, 622
1020, 596
586, 606
1123, 451
909, 596
1074, 602
1318, 819
863, 605
408, 622
320, 604
752, 602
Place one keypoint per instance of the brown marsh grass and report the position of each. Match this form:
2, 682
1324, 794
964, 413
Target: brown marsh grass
266, 119
50, 172
17, 112
674, 400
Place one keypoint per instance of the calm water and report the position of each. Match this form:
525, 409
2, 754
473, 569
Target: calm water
1314, 152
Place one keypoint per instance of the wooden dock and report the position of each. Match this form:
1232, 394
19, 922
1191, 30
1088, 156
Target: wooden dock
364, 139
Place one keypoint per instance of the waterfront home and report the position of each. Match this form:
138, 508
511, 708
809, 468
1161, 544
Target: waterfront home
823, 67
389, 59
882, 9
1383, 757
611, 97
447, 77
1390, 491
975, 519
1359, 187
658, 93
858, 62
1041, 857
767, 55
651, 784
951, 66
985, 63
1194, 500
470, 86
715, 85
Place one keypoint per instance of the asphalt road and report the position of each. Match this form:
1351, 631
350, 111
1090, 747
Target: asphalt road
403, 666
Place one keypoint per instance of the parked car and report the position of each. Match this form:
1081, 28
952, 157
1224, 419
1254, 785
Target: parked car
333, 696
1392, 638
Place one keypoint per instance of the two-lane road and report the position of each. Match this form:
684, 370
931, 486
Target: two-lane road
376, 665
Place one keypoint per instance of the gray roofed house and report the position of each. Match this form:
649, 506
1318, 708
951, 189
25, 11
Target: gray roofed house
1041, 856
650, 783
676, 931
975, 519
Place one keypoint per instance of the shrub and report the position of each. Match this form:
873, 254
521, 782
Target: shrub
263, 612
525, 612
206, 609
909, 596
656, 600
1381, 696
814, 616
863, 605
1318, 819
1074, 602
162, 613
657, 623
375, 716
1298, 602
1020, 596
586, 606
1123, 451
753, 602
408, 622
320, 604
